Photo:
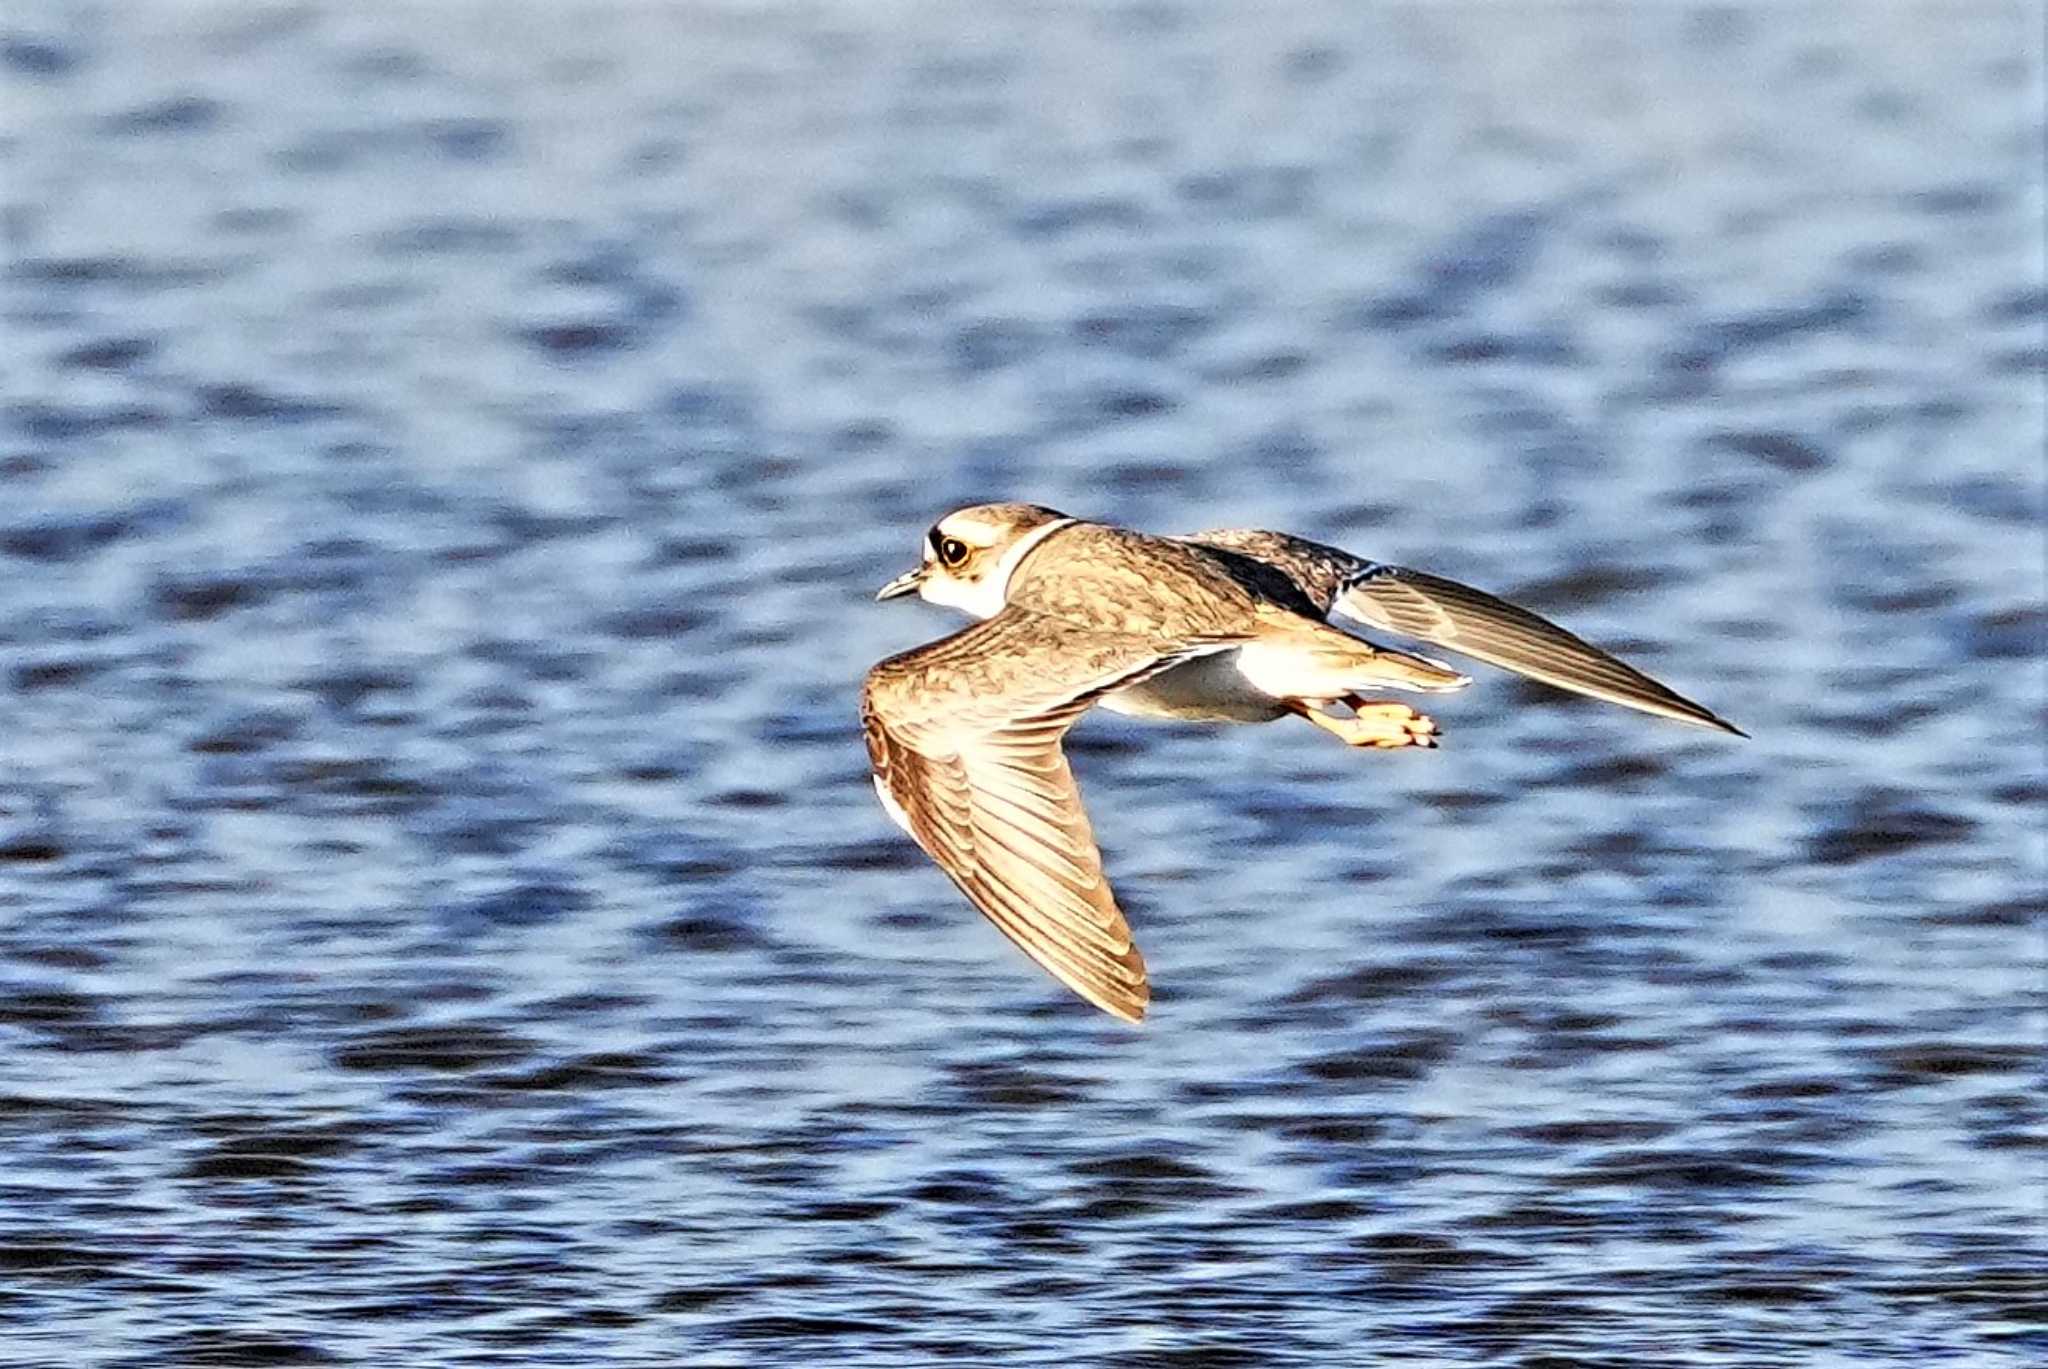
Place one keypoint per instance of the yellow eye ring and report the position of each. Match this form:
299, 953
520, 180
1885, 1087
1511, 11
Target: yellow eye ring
952, 551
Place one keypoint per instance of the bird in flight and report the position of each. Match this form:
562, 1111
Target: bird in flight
1233, 625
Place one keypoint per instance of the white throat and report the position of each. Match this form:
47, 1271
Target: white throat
984, 598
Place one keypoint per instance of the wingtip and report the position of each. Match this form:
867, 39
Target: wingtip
1715, 722
1702, 716
1125, 1007
1131, 1010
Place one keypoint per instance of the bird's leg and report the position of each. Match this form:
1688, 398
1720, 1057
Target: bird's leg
1381, 725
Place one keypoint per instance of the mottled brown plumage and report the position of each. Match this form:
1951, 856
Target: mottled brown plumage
1116, 580
964, 737
964, 733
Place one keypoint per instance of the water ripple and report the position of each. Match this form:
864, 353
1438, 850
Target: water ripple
444, 918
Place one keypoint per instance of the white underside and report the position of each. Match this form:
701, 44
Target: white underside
1207, 689
1256, 683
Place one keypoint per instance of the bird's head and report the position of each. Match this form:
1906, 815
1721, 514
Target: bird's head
970, 553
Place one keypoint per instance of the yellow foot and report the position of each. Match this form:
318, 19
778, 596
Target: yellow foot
1384, 727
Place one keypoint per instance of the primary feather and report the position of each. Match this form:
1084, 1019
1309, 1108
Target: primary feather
1459, 618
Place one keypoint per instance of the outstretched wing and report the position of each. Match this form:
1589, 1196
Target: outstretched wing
1460, 618
964, 736
1476, 624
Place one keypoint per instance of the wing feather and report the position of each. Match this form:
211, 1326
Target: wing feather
1458, 618
1477, 624
964, 736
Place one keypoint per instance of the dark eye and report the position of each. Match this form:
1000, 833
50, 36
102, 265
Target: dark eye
952, 550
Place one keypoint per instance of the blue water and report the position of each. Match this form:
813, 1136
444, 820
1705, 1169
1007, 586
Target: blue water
448, 453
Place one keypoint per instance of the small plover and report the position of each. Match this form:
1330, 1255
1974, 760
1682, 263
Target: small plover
1227, 626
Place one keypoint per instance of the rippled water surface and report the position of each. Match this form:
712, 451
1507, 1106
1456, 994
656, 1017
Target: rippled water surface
448, 453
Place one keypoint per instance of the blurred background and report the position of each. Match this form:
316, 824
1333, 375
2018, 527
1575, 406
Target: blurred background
448, 455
